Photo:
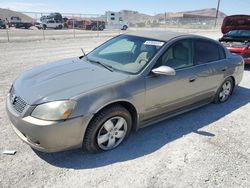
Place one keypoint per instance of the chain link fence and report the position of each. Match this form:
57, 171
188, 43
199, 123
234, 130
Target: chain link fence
88, 26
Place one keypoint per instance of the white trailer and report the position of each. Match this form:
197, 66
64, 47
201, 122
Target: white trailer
114, 20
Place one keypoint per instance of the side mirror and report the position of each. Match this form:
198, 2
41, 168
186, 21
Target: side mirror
164, 70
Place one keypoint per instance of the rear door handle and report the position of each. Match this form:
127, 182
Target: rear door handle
192, 79
224, 69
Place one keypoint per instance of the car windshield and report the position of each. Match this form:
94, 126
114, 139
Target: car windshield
126, 53
239, 33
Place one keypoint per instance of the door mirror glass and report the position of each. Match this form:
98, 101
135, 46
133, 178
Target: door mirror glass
164, 70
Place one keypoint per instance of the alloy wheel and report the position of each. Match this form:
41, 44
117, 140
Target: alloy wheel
112, 132
225, 91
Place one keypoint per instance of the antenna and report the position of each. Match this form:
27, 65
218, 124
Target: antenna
83, 52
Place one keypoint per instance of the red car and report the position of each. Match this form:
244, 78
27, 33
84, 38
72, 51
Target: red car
235, 22
236, 38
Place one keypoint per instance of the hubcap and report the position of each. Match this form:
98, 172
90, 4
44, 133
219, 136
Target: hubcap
112, 132
225, 91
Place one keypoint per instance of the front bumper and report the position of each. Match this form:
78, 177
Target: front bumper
48, 136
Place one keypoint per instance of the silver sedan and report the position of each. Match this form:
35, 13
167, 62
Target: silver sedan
131, 81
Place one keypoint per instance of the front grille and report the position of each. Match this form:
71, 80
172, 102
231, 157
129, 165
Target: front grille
17, 102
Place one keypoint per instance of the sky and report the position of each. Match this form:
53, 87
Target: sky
229, 7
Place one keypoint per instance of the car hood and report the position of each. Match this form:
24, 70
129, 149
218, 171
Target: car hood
63, 80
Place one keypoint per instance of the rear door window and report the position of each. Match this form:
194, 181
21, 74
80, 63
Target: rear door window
222, 52
206, 51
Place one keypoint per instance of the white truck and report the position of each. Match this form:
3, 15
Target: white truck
114, 20
52, 24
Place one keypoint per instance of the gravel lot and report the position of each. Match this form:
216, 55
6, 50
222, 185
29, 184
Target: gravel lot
33, 34
207, 147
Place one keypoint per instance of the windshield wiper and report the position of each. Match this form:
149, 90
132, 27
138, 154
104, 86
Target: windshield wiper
83, 54
110, 68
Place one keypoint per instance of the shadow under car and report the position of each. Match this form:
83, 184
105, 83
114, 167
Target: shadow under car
152, 138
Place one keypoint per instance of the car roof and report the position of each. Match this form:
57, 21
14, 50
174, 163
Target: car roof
158, 35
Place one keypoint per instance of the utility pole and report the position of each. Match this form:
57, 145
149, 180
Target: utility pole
217, 12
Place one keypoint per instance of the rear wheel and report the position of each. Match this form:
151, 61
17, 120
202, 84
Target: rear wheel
60, 27
108, 129
224, 91
101, 28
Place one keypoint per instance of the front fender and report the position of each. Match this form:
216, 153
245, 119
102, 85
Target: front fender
131, 91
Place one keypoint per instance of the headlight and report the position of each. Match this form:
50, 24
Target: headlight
52, 111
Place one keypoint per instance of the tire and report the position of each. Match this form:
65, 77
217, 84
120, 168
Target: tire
60, 27
224, 91
101, 28
124, 27
94, 28
104, 132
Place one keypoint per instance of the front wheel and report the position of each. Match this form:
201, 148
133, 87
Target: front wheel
124, 27
94, 28
224, 91
108, 129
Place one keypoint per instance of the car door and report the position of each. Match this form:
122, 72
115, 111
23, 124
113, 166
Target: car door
170, 94
51, 24
212, 56
54, 24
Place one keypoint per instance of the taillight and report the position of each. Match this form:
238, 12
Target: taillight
246, 47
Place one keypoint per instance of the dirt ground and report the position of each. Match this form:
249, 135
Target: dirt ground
207, 147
